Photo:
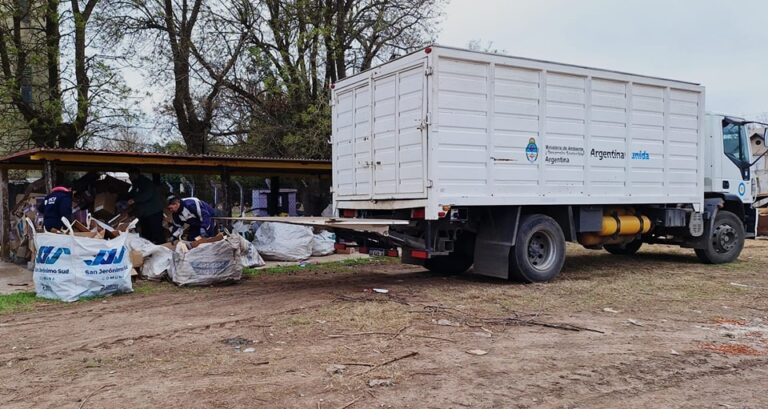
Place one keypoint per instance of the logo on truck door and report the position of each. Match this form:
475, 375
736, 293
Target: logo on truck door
532, 151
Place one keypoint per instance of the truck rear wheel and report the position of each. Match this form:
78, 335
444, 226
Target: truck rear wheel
726, 240
539, 252
626, 249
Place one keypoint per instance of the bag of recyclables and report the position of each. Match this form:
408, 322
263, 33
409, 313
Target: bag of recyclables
208, 263
69, 267
323, 243
284, 242
157, 259
249, 256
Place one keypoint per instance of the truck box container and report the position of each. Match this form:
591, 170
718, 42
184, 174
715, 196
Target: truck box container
450, 127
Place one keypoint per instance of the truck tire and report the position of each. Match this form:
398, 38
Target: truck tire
626, 249
539, 253
726, 239
449, 265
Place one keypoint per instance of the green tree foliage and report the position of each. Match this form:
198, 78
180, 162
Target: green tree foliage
253, 76
55, 90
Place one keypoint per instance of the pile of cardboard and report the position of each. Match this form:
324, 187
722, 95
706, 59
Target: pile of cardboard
99, 210
21, 245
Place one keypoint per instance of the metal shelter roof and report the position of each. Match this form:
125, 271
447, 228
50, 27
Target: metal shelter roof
116, 161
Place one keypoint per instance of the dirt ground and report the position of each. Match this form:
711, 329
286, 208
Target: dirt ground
657, 330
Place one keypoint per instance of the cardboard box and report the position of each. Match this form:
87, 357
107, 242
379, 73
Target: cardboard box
199, 240
137, 260
105, 205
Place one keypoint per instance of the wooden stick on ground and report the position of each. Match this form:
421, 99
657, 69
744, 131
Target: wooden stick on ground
357, 364
93, 393
408, 355
351, 403
357, 334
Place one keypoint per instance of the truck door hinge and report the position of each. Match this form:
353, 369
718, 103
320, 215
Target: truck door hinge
428, 71
429, 183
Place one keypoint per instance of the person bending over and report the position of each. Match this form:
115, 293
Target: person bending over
195, 213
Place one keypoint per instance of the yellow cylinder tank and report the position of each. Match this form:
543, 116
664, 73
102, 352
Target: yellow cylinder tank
625, 225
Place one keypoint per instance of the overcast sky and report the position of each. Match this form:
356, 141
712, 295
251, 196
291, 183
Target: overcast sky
722, 45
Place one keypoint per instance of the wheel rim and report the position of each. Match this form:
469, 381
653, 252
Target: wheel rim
542, 252
724, 238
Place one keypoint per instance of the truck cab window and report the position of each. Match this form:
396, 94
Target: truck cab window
734, 143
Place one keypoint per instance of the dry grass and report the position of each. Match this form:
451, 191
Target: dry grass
594, 280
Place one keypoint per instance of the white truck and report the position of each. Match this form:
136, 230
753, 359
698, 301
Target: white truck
497, 161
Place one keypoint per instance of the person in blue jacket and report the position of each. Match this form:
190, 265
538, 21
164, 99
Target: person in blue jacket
195, 213
56, 205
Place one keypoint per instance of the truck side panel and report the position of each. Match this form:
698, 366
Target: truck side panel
508, 131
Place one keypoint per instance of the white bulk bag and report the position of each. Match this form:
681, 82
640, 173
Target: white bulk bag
208, 263
249, 256
157, 259
69, 267
284, 242
323, 243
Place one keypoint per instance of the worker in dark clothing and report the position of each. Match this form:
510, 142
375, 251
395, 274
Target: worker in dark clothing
56, 205
193, 212
148, 206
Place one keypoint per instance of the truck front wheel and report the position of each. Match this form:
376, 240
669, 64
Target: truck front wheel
539, 252
726, 239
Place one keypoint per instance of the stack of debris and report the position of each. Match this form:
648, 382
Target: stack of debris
21, 245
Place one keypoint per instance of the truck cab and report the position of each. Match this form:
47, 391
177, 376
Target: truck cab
727, 171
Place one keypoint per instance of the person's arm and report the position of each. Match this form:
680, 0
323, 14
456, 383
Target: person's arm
176, 220
178, 226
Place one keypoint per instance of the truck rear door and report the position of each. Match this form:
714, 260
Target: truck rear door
399, 133
379, 134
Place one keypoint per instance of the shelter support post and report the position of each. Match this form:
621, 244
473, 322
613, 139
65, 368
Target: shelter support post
49, 175
273, 199
226, 198
5, 216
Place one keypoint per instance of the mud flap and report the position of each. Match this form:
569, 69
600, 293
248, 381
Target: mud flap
496, 235
711, 206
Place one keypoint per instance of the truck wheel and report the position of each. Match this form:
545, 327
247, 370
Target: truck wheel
626, 249
449, 265
725, 242
539, 252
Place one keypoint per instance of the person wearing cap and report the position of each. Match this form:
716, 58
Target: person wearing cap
147, 202
195, 213
56, 205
